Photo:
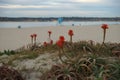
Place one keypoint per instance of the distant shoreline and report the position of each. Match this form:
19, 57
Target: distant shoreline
56, 21
48, 19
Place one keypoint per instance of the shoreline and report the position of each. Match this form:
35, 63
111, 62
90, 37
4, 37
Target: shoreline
14, 38
65, 21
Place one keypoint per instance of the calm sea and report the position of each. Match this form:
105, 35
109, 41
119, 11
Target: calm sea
43, 24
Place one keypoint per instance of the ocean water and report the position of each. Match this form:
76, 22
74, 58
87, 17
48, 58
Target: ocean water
55, 23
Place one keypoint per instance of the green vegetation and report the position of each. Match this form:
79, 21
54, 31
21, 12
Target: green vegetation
86, 61
8, 52
83, 60
84, 69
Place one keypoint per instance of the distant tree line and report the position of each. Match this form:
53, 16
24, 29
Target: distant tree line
64, 19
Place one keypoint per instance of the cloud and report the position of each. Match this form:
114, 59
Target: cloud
23, 6
59, 7
88, 1
43, 13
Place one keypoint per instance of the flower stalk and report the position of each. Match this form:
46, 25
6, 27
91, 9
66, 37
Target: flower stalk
104, 27
70, 33
35, 35
31, 39
49, 34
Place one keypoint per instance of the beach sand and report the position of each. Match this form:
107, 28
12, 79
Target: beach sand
14, 38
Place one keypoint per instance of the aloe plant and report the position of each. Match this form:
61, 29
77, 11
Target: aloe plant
9, 74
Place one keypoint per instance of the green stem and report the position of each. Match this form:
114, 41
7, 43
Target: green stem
35, 41
49, 36
71, 39
104, 34
103, 43
32, 41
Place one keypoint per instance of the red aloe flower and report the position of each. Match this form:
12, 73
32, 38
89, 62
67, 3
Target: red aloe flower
104, 27
31, 36
70, 33
45, 44
61, 41
62, 38
49, 32
51, 42
35, 35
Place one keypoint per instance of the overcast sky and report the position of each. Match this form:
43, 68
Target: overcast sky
57, 8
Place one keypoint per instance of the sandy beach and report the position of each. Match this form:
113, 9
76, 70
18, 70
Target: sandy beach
14, 38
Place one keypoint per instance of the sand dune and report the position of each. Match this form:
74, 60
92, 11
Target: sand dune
13, 38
